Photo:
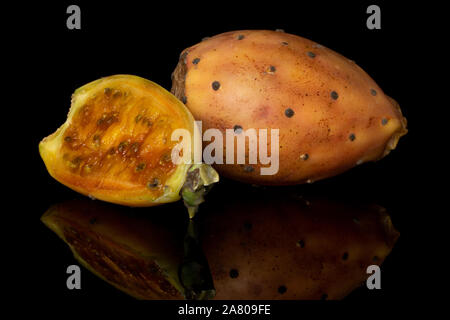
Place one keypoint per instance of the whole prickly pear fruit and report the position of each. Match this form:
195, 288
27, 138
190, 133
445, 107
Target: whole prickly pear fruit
330, 114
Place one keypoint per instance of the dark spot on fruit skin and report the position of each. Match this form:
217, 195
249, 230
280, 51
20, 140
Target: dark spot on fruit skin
96, 139
140, 167
234, 273
216, 85
138, 118
289, 112
304, 156
334, 95
107, 92
345, 256
153, 183
373, 92
122, 146
107, 119
237, 129
247, 226
384, 121
240, 37
184, 99
196, 61
352, 137
311, 54
282, 289
284, 43
68, 139
272, 69
249, 169
324, 297
75, 162
147, 122
301, 243
166, 157
135, 147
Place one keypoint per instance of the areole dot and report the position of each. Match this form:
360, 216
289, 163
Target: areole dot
352, 137
234, 273
248, 168
334, 95
216, 85
282, 289
289, 112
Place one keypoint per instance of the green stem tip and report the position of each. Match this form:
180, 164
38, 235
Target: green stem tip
199, 180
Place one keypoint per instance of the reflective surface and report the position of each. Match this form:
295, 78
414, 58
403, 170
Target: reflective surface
262, 243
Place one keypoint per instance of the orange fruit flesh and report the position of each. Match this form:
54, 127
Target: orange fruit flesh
117, 144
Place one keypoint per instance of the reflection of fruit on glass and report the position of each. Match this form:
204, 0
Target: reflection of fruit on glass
116, 144
267, 246
137, 255
330, 113
255, 246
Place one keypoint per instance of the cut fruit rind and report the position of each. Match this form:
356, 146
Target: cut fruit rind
116, 144
199, 180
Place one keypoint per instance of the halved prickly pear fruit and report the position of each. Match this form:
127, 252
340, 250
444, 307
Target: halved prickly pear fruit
140, 255
117, 145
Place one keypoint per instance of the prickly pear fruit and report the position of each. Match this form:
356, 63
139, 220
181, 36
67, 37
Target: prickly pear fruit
116, 144
258, 245
272, 246
137, 257
330, 114
140, 255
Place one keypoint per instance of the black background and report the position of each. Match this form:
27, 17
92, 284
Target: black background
50, 62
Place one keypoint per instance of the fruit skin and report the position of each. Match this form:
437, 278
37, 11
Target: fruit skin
330, 113
282, 245
136, 253
113, 189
